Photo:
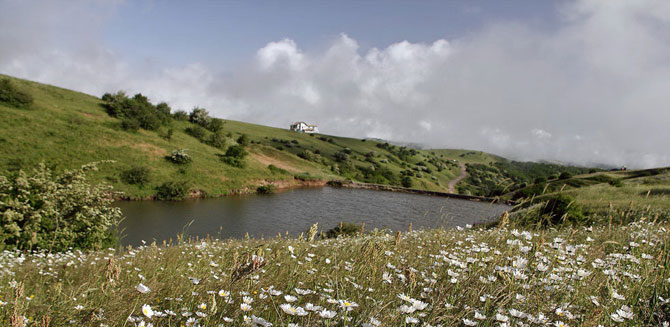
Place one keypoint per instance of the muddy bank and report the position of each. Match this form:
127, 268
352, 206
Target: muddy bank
389, 188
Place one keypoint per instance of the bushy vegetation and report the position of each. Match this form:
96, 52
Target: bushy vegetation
199, 116
12, 96
56, 212
197, 131
343, 229
505, 176
136, 111
552, 210
265, 189
179, 156
172, 191
136, 176
234, 156
406, 181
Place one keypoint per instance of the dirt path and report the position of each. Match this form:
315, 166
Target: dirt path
451, 188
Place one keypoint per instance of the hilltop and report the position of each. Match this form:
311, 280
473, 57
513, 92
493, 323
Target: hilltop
66, 129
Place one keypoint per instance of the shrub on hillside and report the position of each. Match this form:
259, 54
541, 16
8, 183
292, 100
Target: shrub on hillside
136, 176
234, 156
341, 156
10, 95
215, 125
243, 140
565, 175
180, 115
217, 140
236, 151
199, 116
407, 182
44, 211
138, 109
179, 157
172, 191
197, 132
130, 124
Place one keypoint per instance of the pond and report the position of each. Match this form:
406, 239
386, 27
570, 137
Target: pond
294, 211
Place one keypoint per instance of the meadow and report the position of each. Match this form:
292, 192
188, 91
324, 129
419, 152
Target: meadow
504, 276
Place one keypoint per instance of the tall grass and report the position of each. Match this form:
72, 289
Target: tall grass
571, 276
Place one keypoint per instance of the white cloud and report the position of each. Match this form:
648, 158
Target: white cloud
540, 133
597, 83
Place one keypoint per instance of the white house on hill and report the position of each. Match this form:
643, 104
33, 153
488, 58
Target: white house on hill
302, 127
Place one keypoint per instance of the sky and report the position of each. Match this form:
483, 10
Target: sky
584, 81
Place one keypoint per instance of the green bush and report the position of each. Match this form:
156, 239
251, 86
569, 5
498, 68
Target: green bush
407, 182
234, 156
172, 191
130, 124
197, 132
560, 209
217, 140
265, 189
307, 155
215, 125
136, 176
199, 116
565, 175
232, 161
343, 229
243, 140
341, 156
43, 211
179, 157
236, 151
180, 115
138, 109
10, 95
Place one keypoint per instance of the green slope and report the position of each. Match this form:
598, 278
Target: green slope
603, 192
66, 129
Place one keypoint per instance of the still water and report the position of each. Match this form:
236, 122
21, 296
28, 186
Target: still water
295, 211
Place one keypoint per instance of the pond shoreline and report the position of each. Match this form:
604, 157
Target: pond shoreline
279, 185
285, 185
391, 188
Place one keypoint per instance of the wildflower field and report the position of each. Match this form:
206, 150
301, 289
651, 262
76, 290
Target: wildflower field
571, 276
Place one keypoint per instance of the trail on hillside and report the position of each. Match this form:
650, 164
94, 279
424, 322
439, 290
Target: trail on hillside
451, 188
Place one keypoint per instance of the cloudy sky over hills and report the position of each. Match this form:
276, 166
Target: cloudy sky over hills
578, 81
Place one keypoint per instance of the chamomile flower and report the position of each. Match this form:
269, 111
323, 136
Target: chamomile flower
147, 311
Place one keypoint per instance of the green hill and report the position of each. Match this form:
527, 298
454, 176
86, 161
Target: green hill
66, 129
605, 192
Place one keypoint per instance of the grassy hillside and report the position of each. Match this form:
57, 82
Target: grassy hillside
602, 197
66, 129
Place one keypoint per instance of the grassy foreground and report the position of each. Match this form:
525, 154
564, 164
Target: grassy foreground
577, 276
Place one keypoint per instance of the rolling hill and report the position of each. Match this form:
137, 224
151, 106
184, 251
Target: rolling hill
66, 129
